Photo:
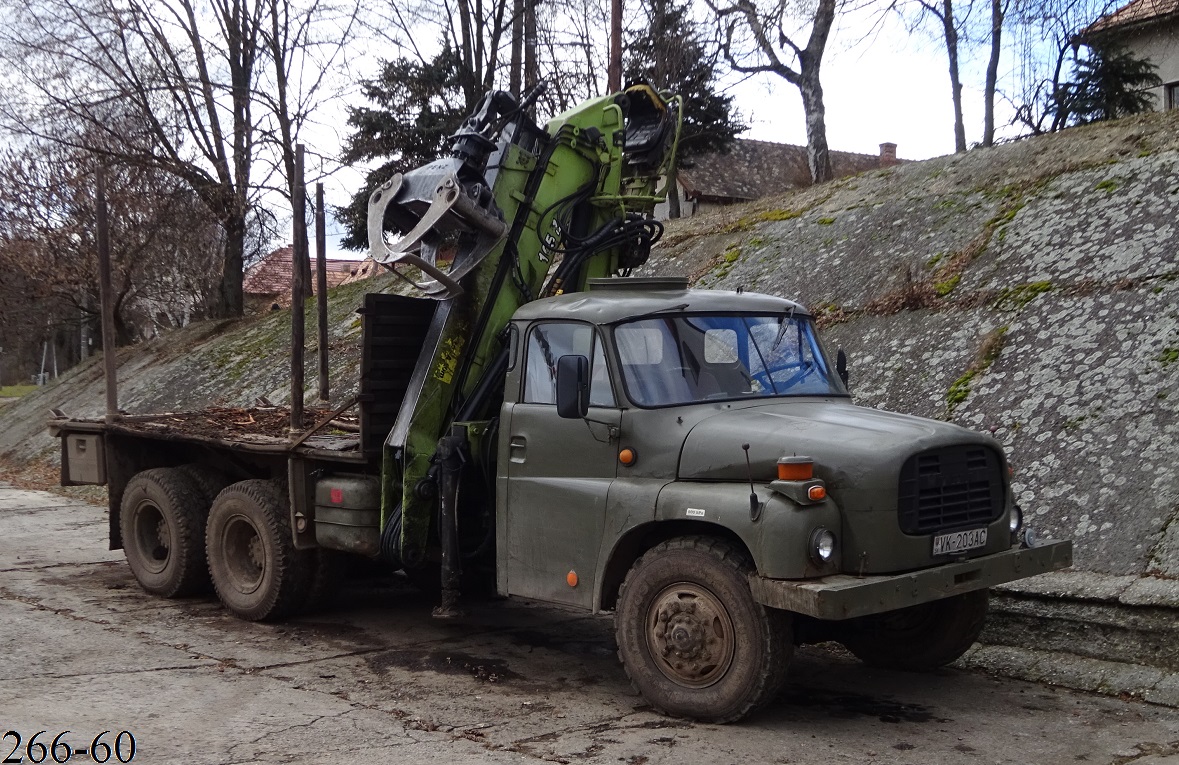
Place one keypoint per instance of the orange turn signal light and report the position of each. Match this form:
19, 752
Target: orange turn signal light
571, 578
817, 493
627, 457
796, 469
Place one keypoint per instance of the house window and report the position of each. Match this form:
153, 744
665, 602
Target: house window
1171, 95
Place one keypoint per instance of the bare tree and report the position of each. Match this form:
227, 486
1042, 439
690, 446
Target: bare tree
998, 15
757, 38
476, 31
573, 60
959, 26
186, 73
211, 88
165, 251
305, 43
1045, 34
943, 12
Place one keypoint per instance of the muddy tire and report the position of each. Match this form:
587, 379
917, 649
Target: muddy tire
209, 480
256, 570
691, 637
162, 522
920, 638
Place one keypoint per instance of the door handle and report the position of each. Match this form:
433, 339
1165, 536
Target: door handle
517, 449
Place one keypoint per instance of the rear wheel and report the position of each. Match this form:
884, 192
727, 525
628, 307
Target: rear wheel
209, 480
256, 570
692, 638
919, 638
161, 519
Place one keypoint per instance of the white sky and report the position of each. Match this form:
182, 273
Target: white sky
891, 87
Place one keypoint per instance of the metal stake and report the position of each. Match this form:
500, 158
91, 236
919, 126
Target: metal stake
321, 288
298, 290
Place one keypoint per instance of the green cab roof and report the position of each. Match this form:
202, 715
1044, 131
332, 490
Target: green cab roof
612, 300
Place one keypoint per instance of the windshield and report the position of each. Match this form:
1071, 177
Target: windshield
683, 359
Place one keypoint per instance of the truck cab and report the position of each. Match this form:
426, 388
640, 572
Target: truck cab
643, 419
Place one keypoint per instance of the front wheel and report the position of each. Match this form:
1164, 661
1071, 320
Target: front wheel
256, 570
919, 638
691, 637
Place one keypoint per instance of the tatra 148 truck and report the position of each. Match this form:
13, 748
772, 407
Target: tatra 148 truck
534, 421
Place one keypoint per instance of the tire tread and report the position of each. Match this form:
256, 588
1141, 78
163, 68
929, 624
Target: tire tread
185, 504
774, 626
292, 567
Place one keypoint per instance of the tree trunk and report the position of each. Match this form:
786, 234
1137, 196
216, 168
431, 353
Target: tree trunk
955, 80
529, 44
517, 47
230, 299
988, 137
614, 71
673, 191
818, 156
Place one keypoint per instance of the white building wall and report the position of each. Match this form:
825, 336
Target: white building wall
1160, 44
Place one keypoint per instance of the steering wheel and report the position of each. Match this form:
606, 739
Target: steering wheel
805, 368
764, 377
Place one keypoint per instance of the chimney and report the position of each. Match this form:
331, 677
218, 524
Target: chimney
888, 154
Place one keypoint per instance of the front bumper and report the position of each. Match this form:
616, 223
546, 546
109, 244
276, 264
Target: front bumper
845, 597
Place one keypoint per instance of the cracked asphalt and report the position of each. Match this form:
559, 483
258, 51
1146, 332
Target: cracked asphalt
83, 649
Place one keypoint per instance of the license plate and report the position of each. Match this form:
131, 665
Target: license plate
959, 541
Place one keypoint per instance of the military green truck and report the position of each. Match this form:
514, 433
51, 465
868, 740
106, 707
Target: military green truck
535, 421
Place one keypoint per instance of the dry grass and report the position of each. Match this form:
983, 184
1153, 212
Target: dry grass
44, 475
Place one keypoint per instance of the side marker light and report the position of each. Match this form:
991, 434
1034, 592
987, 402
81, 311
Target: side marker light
796, 469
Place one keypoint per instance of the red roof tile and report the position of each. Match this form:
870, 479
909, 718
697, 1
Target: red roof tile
272, 275
1134, 13
755, 169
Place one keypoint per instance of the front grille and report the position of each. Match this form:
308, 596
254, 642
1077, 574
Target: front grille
949, 488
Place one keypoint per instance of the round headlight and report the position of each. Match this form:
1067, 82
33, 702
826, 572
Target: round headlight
822, 545
1015, 521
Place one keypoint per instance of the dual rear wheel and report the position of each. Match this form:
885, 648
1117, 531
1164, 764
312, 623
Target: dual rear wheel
182, 530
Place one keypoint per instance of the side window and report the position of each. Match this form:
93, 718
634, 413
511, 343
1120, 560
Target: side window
549, 342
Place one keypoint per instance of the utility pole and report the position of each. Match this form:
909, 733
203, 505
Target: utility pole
614, 72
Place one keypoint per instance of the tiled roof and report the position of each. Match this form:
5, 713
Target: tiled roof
272, 275
755, 169
1134, 13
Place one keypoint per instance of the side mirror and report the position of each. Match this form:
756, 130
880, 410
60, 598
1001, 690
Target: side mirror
573, 387
841, 366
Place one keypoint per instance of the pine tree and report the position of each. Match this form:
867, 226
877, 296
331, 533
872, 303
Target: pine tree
671, 54
415, 108
1110, 82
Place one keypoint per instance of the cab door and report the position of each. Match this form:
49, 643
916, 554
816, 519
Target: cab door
558, 472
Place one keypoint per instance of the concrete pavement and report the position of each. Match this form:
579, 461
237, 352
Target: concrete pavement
83, 649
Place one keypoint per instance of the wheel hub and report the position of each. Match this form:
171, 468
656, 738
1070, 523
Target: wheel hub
691, 635
151, 536
244, 553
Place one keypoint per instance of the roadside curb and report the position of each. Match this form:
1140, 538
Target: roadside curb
1150, 684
